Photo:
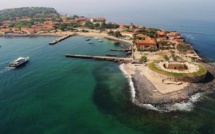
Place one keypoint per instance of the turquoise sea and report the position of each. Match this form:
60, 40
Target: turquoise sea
53, 94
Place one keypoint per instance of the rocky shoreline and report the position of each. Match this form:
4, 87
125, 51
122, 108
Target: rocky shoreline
145, 91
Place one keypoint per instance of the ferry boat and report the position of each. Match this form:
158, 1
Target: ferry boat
18, 62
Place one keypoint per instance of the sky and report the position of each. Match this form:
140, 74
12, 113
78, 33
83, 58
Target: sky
124, 10
88, 6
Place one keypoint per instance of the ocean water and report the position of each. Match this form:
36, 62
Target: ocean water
54, 94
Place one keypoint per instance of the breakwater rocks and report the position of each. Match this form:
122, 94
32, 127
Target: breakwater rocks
146, 92
107, 58
60, 39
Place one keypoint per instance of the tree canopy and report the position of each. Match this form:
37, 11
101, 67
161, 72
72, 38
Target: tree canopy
32, 12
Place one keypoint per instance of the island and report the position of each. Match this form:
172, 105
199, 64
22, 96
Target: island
163, 66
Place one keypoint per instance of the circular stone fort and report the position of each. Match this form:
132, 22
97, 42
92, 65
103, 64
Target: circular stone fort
178, 71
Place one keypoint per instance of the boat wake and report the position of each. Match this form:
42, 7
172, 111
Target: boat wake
183, 106
6, 69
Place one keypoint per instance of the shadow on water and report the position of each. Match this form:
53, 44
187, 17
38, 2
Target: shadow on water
209, 77
112, 96
117, 43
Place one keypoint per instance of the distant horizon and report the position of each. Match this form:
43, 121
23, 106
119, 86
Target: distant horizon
149, 13
93, 7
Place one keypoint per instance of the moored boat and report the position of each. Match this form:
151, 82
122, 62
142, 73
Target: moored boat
87, 39
18, 62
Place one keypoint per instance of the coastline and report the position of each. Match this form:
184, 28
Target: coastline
59, 34
143, 91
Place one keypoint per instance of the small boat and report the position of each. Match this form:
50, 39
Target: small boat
87, 39
96, 38
100, 40
19, 62
91, 43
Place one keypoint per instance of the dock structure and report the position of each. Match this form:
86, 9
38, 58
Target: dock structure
123, 50
107, 58
60, 39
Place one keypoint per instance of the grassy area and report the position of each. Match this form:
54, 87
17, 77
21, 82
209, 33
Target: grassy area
202, 70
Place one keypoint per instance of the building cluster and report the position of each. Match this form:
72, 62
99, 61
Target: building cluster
47, 25
144, 38
6, 27
151, 39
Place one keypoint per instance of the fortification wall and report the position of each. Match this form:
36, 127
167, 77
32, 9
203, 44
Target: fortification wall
194, 79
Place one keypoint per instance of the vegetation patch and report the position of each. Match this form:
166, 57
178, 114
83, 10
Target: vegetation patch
202, 71
32, 12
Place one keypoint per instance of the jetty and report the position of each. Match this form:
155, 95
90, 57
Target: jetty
60, 39
111, 55
123, 50
107, 58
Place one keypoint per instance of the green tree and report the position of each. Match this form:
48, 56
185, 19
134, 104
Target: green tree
32, 12
62, 27
166, 58
117, 34
134, 38
89, 25
144, 59
75, 16
111, 33
183, 48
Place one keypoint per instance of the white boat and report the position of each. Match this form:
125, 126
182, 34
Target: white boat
100, 40
18, 62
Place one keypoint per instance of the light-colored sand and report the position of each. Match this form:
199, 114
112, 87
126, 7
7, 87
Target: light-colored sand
93, 34
157, 82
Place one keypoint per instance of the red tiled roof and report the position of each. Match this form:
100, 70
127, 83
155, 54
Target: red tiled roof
82, 19
174, 34
161, 33
147, 40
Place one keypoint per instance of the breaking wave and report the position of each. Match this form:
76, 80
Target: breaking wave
183, 106
131, 84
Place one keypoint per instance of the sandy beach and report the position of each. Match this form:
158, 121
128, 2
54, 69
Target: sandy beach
149, 90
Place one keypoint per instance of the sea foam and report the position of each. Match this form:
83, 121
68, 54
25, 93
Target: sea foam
183, 106
6, 69
131, 84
